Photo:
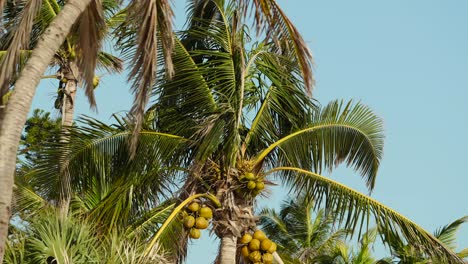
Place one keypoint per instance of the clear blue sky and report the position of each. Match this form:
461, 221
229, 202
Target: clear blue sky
408, 60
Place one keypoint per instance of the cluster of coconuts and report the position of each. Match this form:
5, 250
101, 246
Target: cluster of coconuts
257, 248
197, 218
252, 183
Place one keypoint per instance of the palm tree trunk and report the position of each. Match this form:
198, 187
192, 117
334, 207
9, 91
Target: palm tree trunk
20, 102
228, 249
68, 109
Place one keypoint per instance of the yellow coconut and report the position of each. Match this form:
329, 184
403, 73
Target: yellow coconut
205, 212
254, 244
265, 244
272, 248
189, 221
251, 185
259, 235
255, 256
245, 251
246, 238
249, 176
260, 185
194, 207
201, 223
195, 233
267, 258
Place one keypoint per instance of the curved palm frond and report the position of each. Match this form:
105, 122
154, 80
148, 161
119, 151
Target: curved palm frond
447, 233
101, 150
269, 18
355, 208
339, 132
146, 34
278, 97
23, 21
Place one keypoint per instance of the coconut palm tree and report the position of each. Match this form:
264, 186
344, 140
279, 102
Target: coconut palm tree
65, 60
229, 122
149, 26
344, 254
301, 235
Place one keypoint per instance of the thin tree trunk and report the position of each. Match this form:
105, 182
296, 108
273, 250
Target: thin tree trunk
228, 249
20, 103
68, 109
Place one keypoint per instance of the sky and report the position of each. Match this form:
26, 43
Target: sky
407, 60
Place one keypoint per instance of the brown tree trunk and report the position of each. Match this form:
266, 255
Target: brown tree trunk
228, 249
20, 103
68, 109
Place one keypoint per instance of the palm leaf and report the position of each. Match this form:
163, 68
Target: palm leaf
339, 132
269, 18
355, 208
9, 65
146, 33
91, 31
447, 234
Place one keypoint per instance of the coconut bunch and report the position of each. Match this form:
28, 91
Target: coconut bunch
251, 184
196, 218
257, 248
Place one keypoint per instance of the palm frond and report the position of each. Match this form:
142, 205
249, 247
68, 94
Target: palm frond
101, 150
109, 62
9, 65
339, 132
146, 33
354, 208
447, 234
269, 18
91, 31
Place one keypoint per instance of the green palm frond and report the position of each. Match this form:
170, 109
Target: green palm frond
270, 19
356, 209
447, 234
338, 133
26, 201
102, 151
277, 96
109, 62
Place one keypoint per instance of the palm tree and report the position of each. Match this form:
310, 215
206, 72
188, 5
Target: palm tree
65, 60
50, 238
232, 120
301, 235
343, 254
148, 24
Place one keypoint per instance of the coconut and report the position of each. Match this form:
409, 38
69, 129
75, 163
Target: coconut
251, 185
201, 223
265, 244
205, 212
246, 238
254, 244
260, 185
195, 233
272, 248
249, 176
194, 207
189, 221
267, 258
245, 251
255, 256
259, 235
